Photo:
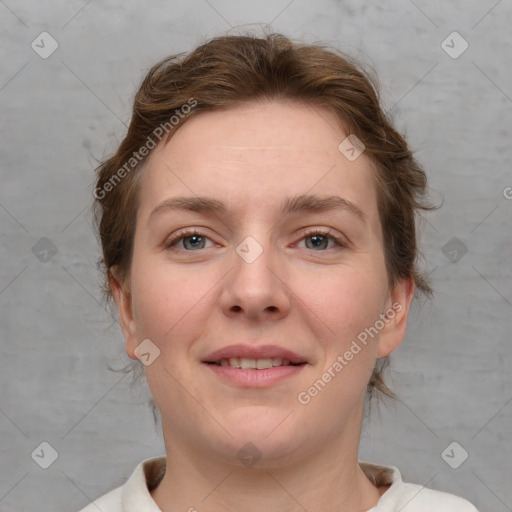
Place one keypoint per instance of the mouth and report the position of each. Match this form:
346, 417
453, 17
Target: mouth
254, 357
252, 366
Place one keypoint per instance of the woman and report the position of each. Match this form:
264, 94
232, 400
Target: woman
258, 234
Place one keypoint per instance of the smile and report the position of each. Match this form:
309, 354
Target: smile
254, 364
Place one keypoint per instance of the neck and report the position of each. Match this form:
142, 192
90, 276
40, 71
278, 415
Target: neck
328, 479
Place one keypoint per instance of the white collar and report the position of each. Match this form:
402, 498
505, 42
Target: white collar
147, 475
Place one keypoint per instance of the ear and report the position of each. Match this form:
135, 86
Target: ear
398, 304
122, 295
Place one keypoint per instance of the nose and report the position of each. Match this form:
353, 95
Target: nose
256, 287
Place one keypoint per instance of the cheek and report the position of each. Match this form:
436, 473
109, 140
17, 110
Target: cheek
344, 301
341, 307
171, 310
169, 304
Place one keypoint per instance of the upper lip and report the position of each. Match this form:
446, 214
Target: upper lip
252, 352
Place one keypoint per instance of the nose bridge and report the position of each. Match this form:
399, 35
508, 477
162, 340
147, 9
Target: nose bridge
253, 287
253, 261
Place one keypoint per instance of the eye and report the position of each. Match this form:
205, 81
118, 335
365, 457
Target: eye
320, 239
192, 240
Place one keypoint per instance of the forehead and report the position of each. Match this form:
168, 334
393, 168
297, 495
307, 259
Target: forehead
257, 154
283, 130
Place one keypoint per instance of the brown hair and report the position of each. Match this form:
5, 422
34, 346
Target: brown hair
230, 70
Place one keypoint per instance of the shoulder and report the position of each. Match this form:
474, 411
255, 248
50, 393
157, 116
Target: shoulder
110, 502
408, 497
416, 498
134, 495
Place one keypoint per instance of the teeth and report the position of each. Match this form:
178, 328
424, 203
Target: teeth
261, 364
245, 364
255, 364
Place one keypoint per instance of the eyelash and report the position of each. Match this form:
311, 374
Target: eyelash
184, 234
341, 242
171, 242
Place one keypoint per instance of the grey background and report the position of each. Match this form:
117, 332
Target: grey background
61, 114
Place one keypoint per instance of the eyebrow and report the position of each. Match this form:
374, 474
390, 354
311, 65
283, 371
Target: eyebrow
296, 204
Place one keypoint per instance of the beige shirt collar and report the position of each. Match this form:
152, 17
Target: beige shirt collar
136, 495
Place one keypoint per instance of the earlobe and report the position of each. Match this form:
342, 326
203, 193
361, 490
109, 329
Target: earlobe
393, 333
122, 296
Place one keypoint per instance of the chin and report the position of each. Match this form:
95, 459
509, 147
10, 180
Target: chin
262, 437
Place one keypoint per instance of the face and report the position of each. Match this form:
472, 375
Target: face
275, 255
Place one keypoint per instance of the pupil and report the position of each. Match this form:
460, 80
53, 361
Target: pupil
194, 239
318, 240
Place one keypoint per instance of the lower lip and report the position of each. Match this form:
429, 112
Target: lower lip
255, 378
